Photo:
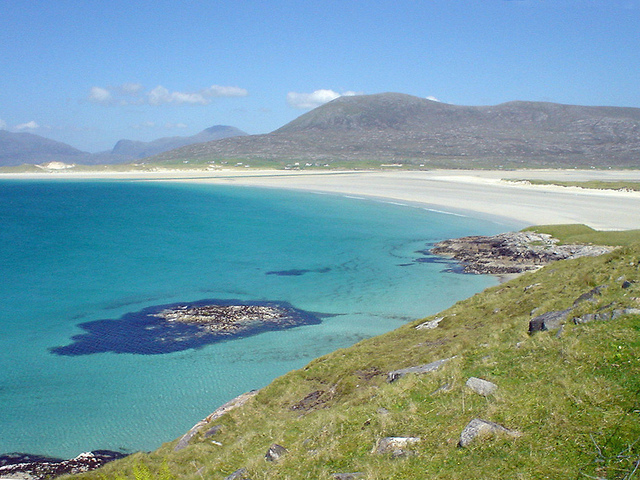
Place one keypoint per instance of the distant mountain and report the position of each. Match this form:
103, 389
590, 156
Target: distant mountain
27, 148
393, 127
136, 149
20, 148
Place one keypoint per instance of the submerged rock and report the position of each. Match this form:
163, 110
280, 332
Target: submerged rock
172, 328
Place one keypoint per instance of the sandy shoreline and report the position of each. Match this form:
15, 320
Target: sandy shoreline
457, 191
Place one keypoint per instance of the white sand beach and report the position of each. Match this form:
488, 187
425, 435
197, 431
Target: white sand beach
479, 192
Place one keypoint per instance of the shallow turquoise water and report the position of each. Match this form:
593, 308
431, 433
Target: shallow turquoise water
75, 252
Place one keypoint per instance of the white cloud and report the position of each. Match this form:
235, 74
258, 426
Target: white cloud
172, 126
100, 95
134, 94
139, 126
27, 126
314, 99
219, 91
130, 88
3, 124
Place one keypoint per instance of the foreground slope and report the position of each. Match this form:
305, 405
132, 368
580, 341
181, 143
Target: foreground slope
571, 394
394, 127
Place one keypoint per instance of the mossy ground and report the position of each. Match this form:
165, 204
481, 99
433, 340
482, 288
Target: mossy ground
574, 396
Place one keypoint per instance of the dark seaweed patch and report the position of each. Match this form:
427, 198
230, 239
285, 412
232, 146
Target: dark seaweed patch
144, 333
297, 272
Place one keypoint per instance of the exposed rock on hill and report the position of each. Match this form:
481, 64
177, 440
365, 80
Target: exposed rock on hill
393, 127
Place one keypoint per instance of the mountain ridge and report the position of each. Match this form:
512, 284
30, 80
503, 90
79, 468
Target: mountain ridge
28, 148
403, 128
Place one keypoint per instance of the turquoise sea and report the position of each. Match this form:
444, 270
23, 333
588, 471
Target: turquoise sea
73, 253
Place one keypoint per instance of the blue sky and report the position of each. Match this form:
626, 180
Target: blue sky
89, 73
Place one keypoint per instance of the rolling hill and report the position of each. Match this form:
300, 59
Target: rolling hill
394, 127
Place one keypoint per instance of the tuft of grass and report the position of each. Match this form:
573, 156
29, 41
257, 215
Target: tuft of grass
574, 396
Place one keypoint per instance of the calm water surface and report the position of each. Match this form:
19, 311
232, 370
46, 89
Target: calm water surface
78, 252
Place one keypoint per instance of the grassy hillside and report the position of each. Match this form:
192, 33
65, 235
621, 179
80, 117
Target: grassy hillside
582, 234
574, 395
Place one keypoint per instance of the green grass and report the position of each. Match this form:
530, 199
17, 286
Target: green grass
568, 234
575, 396
593, 184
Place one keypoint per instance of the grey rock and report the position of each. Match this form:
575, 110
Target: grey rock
275, 452
605, 316
478, 428
429, 367
348, 476
212, 431
396, 446
481, 387
430, 325
590, 295
186, 438
549, 321
625, 311
237, 475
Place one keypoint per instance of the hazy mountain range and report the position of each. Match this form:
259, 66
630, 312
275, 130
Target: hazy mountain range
27, 148
392, 128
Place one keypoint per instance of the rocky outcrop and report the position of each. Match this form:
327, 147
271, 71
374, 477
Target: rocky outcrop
513, 252
549, 321
478, 429
429, 367
220, 411
29, 467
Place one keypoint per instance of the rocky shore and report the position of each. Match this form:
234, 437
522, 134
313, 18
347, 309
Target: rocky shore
32, 467
511, 253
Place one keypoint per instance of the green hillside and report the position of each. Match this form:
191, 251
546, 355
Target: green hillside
569, 397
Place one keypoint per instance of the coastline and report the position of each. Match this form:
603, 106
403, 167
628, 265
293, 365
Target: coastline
479, 192
483, 193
